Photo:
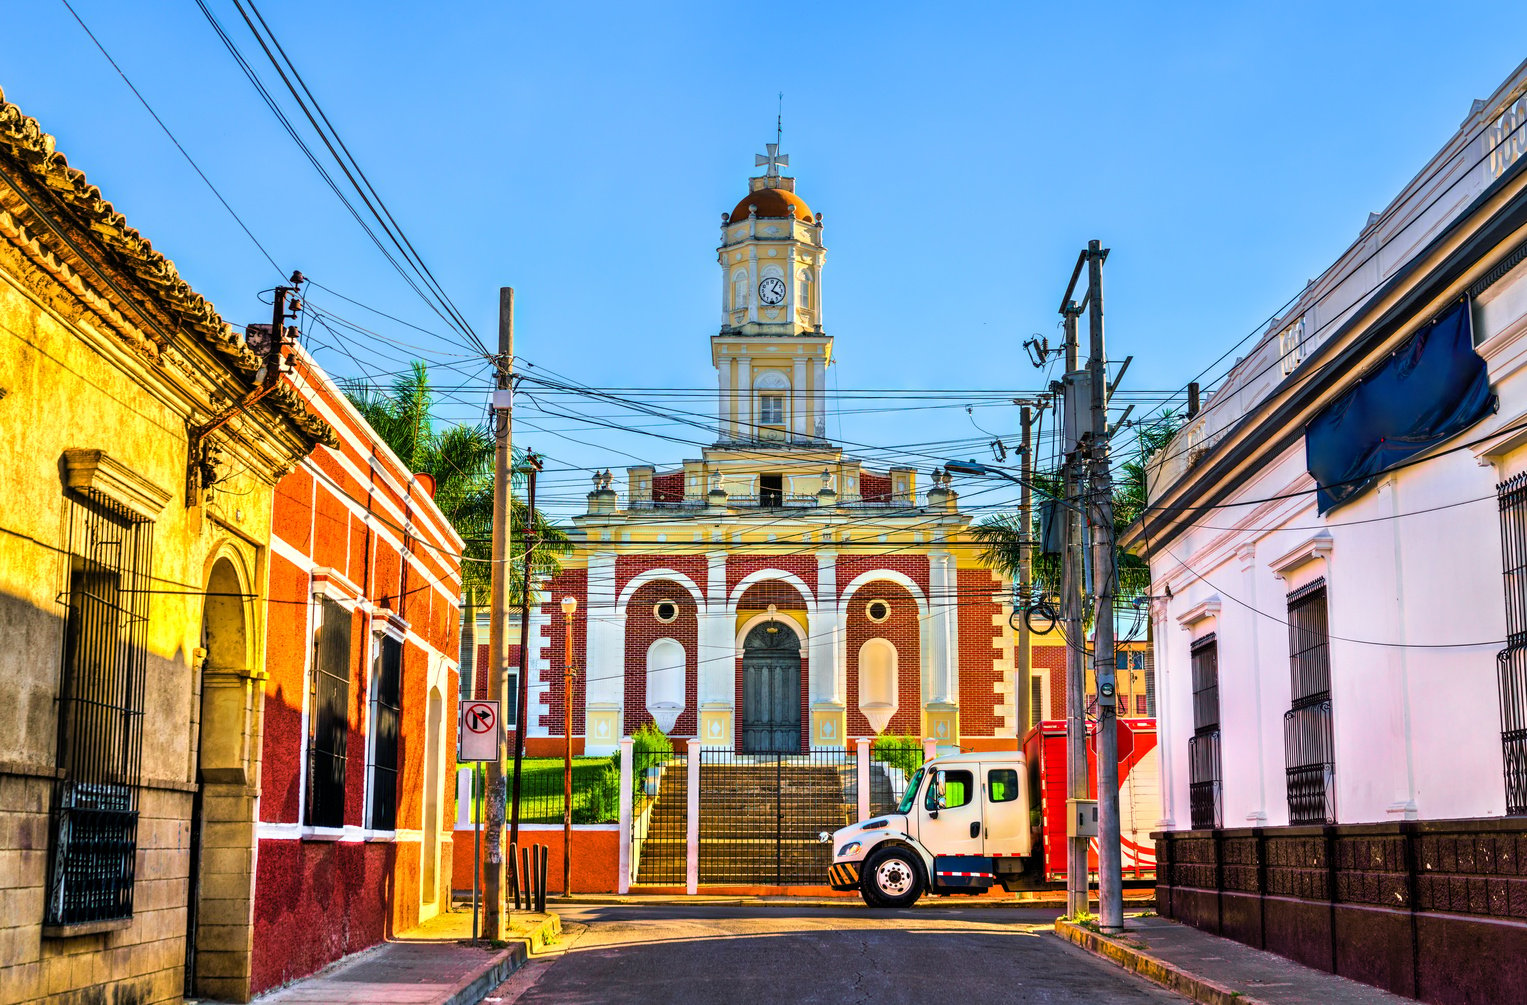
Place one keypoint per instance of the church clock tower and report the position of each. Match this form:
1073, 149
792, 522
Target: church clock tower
771, 355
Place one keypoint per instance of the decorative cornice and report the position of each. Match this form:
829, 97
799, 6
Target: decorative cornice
1199, 612
1317, 547
111, 483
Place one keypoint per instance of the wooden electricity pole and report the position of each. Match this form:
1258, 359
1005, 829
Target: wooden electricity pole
498, 614
1023, 679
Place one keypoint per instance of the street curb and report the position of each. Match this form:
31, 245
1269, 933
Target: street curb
472, 990
722, 900
1152, 969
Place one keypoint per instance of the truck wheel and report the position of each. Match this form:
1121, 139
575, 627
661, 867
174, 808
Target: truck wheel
892, 878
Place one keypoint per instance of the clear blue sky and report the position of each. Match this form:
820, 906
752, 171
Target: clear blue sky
960, 155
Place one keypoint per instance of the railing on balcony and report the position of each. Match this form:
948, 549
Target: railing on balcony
1204, 780
1309, 761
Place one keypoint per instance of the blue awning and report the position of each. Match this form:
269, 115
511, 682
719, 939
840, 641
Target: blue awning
1432, 387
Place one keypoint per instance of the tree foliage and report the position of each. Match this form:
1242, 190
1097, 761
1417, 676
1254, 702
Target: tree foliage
460, 459
1002, 535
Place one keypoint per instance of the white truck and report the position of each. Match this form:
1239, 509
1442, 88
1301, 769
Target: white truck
962, 825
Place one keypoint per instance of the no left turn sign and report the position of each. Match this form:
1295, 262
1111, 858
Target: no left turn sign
477, 733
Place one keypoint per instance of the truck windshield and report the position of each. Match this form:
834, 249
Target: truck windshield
910, 798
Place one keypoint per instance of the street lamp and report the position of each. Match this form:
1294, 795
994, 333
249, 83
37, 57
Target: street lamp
569, 608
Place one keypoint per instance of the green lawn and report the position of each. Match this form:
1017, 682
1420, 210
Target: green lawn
596, 790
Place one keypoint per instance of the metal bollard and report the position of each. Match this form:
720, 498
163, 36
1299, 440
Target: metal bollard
514, 875
526, 853
541, 886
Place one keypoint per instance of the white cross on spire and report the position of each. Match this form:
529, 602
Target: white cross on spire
773, 158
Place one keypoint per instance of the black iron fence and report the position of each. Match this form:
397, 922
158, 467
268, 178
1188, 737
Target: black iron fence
596, 794
659, 817
1512, 661
761, 815
893, 761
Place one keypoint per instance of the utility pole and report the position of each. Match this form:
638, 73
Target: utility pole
498, 615
1110, 871
569, 607
1023, 679
1077, 871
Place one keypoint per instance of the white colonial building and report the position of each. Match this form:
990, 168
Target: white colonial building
1337, 544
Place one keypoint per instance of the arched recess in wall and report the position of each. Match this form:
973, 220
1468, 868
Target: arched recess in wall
739, 289
665, 682
878, 688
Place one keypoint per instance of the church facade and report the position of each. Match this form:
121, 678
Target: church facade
774, 594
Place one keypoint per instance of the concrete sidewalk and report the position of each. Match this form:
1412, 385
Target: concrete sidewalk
1044, 899
434, 964
1216, 971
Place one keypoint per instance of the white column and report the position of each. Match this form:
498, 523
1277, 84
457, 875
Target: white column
800, 406
692, 837
623, 878
752, 280
942, 585
1166, 732
604, 695
717, 656
824, 632
723, 410
744, 395
819, 396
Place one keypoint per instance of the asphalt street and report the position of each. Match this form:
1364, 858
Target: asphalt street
695, 955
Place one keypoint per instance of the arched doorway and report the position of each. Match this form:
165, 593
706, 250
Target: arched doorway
221, 857
771, 689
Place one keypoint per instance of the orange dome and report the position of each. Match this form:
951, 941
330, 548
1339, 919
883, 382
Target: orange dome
772, 202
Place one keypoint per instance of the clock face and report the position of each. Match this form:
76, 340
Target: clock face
771, 291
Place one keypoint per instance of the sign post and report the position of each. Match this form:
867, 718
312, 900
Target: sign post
477, 740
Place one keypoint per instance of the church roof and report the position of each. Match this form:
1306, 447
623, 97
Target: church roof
772, 202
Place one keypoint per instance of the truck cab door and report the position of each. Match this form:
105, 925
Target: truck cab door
1007, 808
951, 812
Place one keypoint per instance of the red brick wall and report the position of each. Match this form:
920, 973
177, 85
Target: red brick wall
739, 567
567, 583
668, 488
914, 567
628, 567
980, 645
874, 488
1052, 661
642, 629
903, 630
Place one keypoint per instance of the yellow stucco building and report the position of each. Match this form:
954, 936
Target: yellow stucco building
132, 586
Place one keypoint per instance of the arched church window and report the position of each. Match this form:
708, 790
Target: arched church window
804, 288
772, 387
739, 289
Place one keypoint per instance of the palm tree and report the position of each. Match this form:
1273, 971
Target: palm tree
460, 459
1002, 536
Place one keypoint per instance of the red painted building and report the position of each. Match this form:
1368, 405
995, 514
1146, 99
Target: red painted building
357, 797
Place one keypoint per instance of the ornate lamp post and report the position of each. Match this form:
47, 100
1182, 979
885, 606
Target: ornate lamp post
569, 608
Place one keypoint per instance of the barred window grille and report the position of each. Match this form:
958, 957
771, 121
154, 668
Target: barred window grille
1308, 743
386, 713
100, 731
1512, 661
328, 719
1204, 782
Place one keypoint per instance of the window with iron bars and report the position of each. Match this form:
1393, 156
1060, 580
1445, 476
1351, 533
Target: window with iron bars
1204, 783
94, 832
1511, 666
386, 712
1308, 743
328, 720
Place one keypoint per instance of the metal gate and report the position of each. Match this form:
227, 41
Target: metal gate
761, 815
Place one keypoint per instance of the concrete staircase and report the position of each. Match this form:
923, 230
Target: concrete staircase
759, 822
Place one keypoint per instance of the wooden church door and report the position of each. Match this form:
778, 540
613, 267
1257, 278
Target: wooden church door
771, 690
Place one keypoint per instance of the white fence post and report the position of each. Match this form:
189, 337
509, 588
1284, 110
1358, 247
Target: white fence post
627, 794
864, 777
692, 839
930, 748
